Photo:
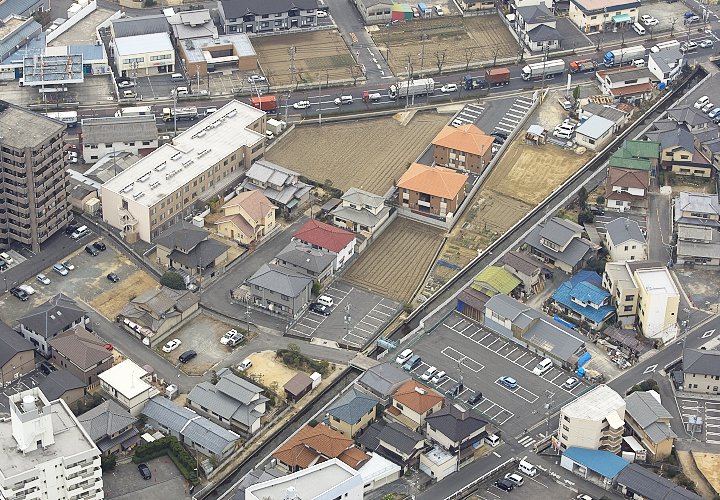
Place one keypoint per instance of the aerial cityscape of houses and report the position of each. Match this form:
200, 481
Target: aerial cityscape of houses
369, 249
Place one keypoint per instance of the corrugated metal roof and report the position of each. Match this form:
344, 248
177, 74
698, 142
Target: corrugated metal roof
603, 462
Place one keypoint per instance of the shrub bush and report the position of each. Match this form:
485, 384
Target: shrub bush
173, 280
169, 445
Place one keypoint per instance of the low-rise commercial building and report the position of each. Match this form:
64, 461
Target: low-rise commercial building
595, 420
600, 15
231, 52
55, 457
141, 46
374, 11
667, 64
259, 16
116, 134
658, 303
205, 160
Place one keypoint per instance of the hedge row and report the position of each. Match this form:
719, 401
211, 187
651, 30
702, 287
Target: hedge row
170, 446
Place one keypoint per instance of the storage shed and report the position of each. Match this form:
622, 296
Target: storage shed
298, 386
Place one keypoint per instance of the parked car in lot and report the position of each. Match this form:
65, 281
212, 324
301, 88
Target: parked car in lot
100, 246
439, 10
508, 382
27, 289
412, 363
428, 374
60, 269
320, 14
648, 20
171, 345
245, 364
187, 356
698, 104
474, 399
68, 265
92, 251
255, 79
19, 293
113, 277
404, 356
706, 44
448, 87
707, 107
318, 308
232, 338
43, 279
144, 471
438, 377
714, 112
126, 84
504, 484
4, 256
570, 383
514, 478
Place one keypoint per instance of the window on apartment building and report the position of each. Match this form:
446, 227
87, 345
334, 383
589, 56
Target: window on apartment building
626, 248
565, 417
566, 428
628, 308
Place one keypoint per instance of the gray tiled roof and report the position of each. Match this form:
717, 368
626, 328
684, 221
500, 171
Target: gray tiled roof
701, 362
53, 316
573, 254
119, 129
280, 280
238, 8
192, 426
58, 383
11, 343
352, 406
143, 25
608, 112
677, 136
647, 412
454, 423
595, 127
360, 198
360, 216
623, 229
649, 485
230, 398
384, 378
534, 14
689, 115
314, 260
505, 306
106, 419
559, 231
521, 262
182, 235
202, 255
20, 7
544, 33
400, 437
555, 339
698, 202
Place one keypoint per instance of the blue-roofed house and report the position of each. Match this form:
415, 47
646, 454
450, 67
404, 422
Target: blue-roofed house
352, 412
191, 429
593, 464
583, 298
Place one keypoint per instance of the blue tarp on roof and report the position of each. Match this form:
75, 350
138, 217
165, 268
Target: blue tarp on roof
584, 287
600, 461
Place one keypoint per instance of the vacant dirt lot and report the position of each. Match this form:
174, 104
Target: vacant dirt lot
110, 303
366, 154
395, 264
709, 466
269, 370
319, 56
460, 40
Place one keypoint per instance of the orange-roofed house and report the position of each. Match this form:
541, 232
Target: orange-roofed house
313, 445
247, 218
337, 241
433, 190
412, 402
463, 148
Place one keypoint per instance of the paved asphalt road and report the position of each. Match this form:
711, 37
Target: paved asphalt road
659, 229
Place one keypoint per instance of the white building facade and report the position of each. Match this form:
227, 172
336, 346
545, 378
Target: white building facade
55, 458
658, 303
595, 421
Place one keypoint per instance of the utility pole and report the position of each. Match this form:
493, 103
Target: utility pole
247, 315
175, 113
320, 102
546, 51
422, 53
347, 319
550, 395
291, 52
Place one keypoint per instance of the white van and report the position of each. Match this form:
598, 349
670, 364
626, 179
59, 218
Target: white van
543, 366
80, 232
128, 94
177, 77
527, 468
492, 439
639, 63
638, 28
182, 91
325, 300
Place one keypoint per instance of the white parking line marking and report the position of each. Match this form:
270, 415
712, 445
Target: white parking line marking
467, 361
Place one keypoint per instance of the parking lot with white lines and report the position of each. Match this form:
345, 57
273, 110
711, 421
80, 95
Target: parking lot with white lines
514, 115
356, 317
708, 411
469, 353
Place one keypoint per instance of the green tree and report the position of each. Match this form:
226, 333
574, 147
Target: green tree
173, 280
600, 200
108, 463
316, 287
576, 93
585, 216
582, 198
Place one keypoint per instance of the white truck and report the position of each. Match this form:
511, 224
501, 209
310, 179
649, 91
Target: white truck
545, 69
623, 56
276, 126
135, 111
412, 88
187, 113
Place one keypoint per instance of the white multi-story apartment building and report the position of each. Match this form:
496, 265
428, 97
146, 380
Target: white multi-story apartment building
595, 421
658, 303
207, 159
46, 452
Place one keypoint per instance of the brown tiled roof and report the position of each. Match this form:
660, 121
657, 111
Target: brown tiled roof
239, 222
417, 397
312, 443
628, 178
435, 181
631, 89
81, 347
468, 138
298, 383
253, 202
